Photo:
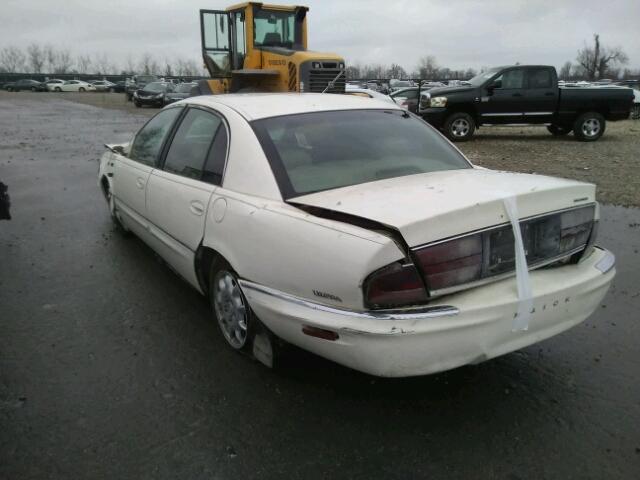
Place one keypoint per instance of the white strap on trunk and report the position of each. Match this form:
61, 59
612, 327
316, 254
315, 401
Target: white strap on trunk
525, 296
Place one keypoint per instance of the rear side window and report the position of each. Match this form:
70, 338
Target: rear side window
149, 140
539, 78
192, 144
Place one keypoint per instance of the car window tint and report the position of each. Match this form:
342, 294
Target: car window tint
191, 143
318, 151
217, 158
510, 79
150, 138
539, 78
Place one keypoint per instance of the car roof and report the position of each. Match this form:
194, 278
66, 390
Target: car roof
254, 106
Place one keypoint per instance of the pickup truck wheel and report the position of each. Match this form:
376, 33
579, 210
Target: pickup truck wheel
558, 131
589, 127
635, 112
459, 127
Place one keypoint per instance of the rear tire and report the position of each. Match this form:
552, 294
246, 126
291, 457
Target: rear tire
635, 112
459, 127
558, 131
33, 89
58, 89
239, 326
589, 127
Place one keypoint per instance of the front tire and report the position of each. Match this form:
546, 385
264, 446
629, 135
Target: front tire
635, 112
58, 89
137, 103
81, 89
459, 127
558, 131
33, 89
589, 127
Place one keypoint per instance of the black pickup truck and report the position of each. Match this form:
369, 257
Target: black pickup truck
524, 94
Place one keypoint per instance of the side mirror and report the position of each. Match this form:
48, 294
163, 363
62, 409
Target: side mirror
119, 149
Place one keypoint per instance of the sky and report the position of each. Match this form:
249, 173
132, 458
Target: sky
459, 33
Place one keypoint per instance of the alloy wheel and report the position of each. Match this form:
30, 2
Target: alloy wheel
591, 127
460, 127
230, 308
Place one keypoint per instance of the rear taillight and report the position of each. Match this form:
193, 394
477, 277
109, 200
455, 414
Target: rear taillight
451, 265
393, 286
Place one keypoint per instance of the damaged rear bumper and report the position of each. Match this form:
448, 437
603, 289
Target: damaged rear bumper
467, 327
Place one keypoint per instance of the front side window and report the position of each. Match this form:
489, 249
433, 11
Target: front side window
148, 142
276, 29
191, 143
510, 79
324, 150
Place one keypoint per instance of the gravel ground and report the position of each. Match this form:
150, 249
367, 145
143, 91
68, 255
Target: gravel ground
612, 163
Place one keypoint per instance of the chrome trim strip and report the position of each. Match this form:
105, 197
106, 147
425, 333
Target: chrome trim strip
538, 113
415, 313
513, 114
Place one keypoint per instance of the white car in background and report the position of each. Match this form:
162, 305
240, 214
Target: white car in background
53, 83
74, 86
102, 85
368, 93
355, 230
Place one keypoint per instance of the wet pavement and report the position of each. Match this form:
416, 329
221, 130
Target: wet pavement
111, 366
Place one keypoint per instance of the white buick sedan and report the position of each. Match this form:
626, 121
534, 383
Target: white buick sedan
353, 229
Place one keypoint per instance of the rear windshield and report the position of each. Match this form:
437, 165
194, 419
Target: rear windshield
319, 151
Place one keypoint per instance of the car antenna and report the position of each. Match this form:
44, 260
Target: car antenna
332, 83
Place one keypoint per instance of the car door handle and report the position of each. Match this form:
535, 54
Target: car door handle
140, 182
196, 208
516, 95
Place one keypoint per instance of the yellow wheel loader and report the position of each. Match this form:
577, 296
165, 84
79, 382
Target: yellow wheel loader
257, 47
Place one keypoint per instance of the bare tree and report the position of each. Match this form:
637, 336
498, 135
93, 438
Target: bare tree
168, 68
470, 73
102, 64
36, 58
353, 71
62, 61
50, 58
428, 67
396, 71
565, 71
597, 61
12, 59
84, 64
130, 65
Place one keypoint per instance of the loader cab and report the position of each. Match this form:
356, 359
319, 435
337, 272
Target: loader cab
258, 47
234, 39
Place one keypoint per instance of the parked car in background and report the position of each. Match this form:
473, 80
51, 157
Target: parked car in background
395, 85
355, 231
368, 93
635, 111
51, 84
25, 84
138, 82
153, 94
180, 92
525, 94
102, 85
118, 87
428, 85
407, 98
74, 86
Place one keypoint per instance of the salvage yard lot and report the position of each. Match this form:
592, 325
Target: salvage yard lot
111, 367
612, 163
